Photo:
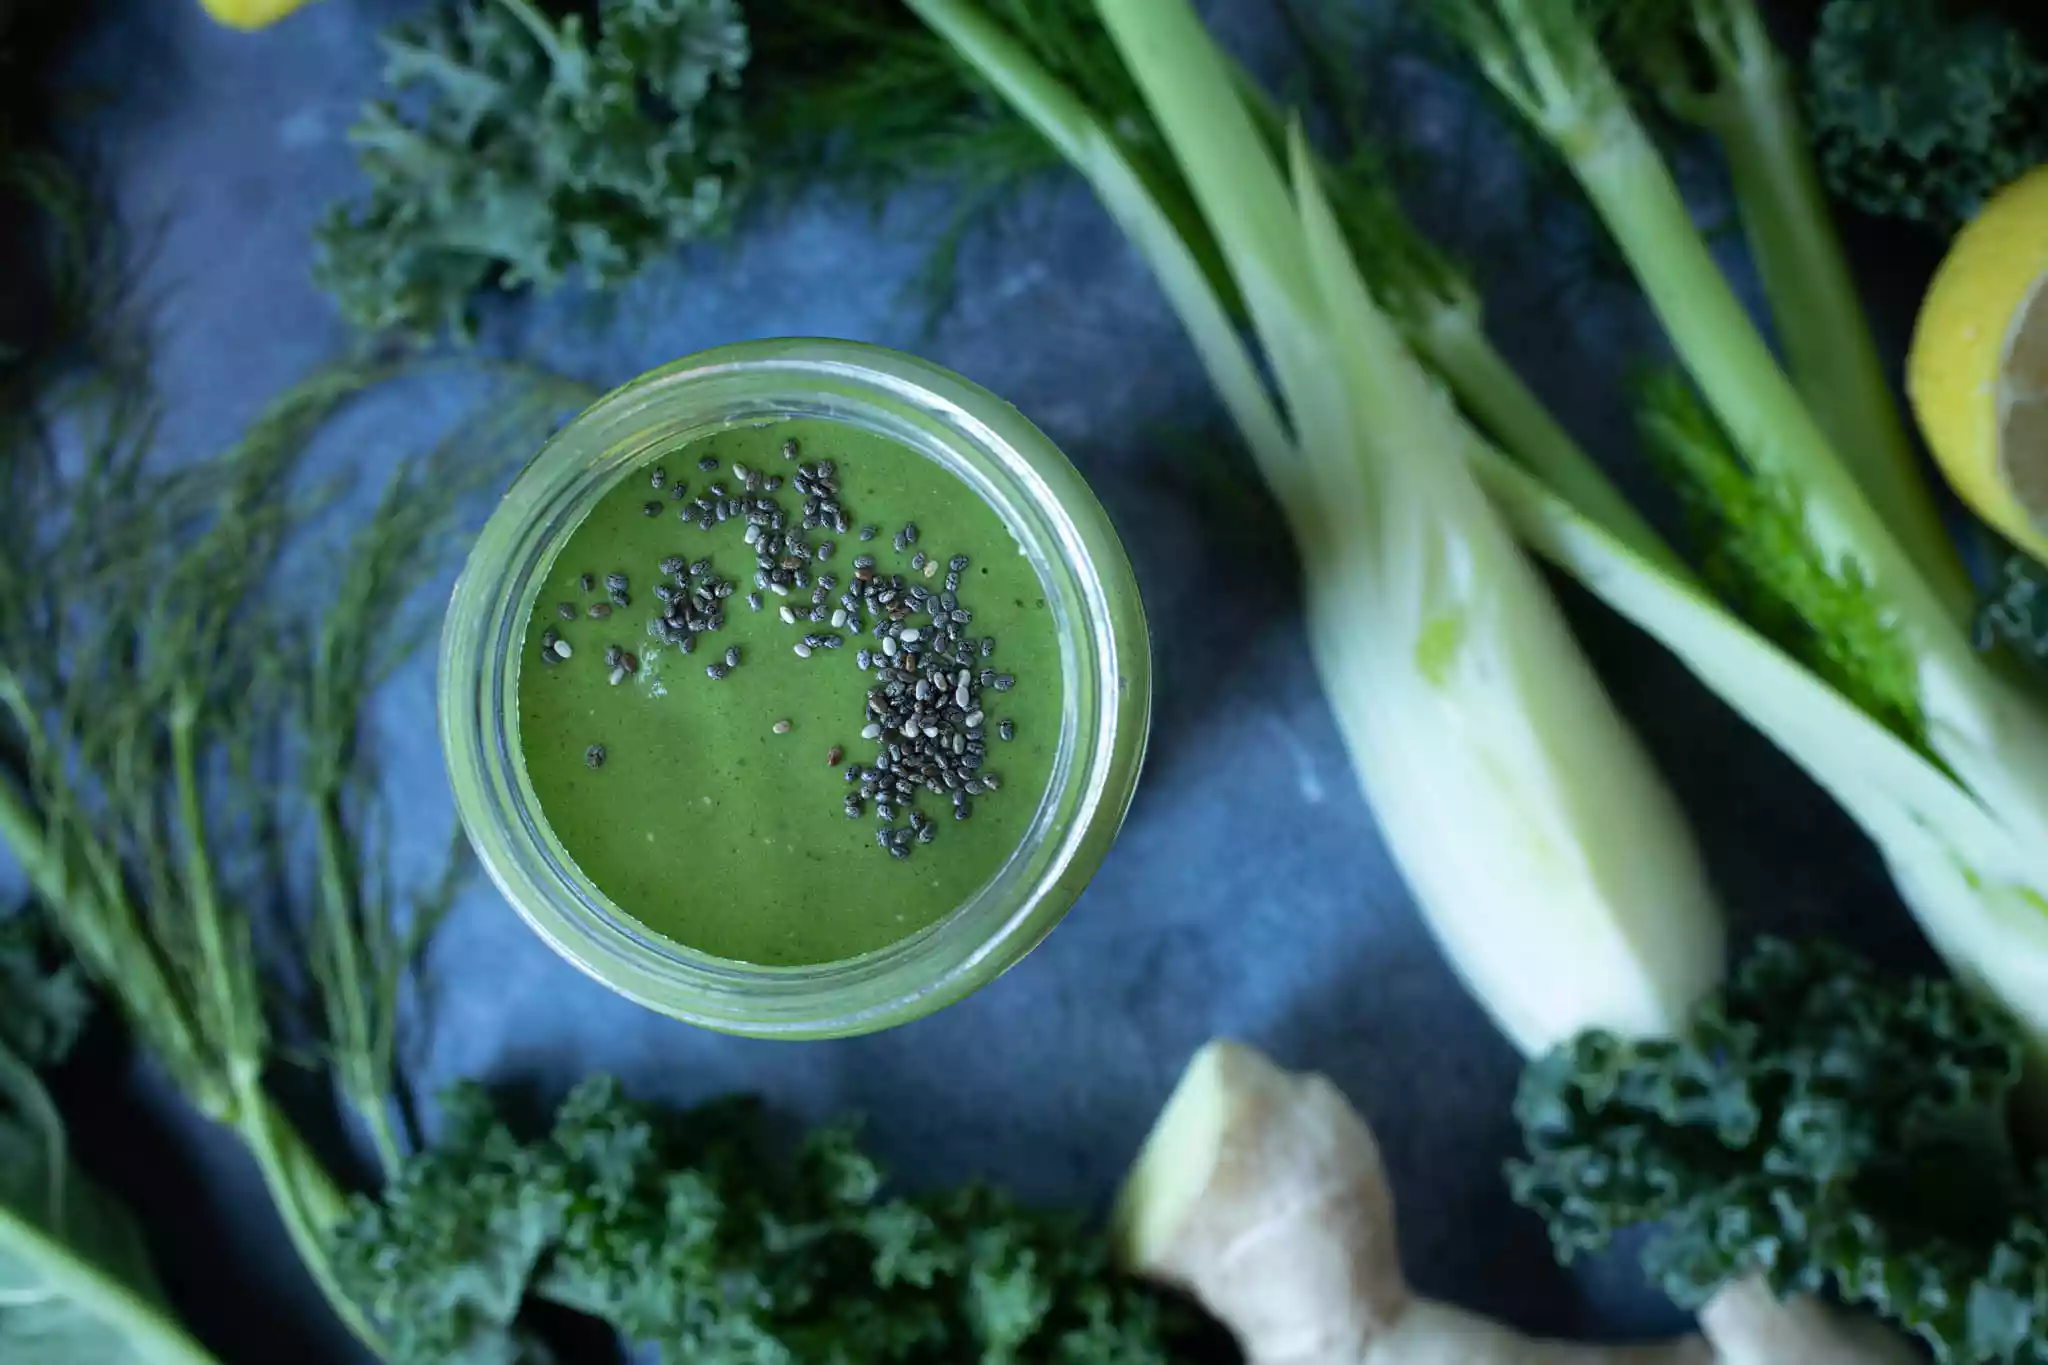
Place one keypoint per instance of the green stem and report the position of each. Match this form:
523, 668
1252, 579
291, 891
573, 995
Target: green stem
356, 1040
543, 33
105, 934
1489, 387
308, 1201
1993, 738
1740, 378
151, 1333
1828, 343
50, 1251
239, 1037
1129, 195
22, 831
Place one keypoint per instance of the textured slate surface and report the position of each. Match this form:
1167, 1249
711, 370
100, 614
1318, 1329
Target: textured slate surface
1249, 894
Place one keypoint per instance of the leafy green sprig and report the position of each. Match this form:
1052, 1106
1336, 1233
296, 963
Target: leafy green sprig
1922, 110
181, 704
1819, 1124
520, 148
686, 1232
485, 170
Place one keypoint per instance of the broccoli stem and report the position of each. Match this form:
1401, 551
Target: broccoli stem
1820, 320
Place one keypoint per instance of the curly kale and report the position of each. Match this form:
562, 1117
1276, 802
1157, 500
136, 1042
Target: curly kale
523, 149
686, 1232
43, 1005
1821, 1125
514, 149
1921, 113
2014, 614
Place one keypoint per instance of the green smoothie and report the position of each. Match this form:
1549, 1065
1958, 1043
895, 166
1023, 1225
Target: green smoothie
768, 738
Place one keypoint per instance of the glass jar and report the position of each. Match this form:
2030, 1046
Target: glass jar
1105, 664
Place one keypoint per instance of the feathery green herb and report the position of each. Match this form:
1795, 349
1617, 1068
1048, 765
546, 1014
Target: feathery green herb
1922, 109
686, 1232
1821, 1125
165, 748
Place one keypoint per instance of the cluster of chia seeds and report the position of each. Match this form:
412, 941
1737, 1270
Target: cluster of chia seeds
923, 710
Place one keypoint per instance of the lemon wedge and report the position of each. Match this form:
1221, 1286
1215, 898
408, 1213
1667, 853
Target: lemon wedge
1978, 371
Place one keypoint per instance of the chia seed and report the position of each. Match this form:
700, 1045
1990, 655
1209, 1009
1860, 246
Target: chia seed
707, 463
594, 755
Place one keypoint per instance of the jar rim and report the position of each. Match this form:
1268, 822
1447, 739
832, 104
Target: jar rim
1058, 522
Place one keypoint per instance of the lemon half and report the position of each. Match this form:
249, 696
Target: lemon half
1978, 371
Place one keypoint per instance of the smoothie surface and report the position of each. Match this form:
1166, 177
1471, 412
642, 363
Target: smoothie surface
704, 817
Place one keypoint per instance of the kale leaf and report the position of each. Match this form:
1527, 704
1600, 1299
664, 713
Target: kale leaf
524, 149
687, 1233
43, 1006
1920, 112
1821, 1125
2014, 613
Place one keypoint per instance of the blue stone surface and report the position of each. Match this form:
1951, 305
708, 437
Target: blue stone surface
1249, 895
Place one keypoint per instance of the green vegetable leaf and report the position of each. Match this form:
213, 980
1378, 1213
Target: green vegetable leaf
1821, 1125
76, 1287
1809, 1097
520, 149
683, 1232
1921, 109
2015, 612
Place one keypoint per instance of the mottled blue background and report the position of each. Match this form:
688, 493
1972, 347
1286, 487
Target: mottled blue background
1249, 894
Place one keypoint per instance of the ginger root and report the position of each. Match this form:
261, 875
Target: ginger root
1261, 1193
